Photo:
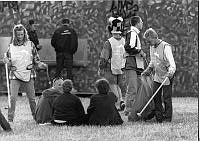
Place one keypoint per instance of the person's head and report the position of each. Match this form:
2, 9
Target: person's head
102, 86
65, 21
20, 35
67, 86
57, 83
150, 36
32, 24
137, 22
115, 26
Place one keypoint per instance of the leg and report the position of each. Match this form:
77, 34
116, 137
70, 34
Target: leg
167, 96
68, 64
4, 124
14, 88
59, 64
30, 92
131, 81
158, 102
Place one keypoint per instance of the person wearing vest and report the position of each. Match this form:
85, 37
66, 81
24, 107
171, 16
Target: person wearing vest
112, 58
163, 65
22, 58
134, 61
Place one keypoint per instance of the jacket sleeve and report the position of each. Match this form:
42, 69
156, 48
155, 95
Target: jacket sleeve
130, 44
74, 42
53, 39
91, 107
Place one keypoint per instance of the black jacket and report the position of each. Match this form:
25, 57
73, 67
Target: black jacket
68, 107
65, 40
33, 37
102, 110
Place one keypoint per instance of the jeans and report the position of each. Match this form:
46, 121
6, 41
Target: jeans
30, 92
132, 86
3, 122
160, 111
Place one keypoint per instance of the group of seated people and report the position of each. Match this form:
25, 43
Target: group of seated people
59, 106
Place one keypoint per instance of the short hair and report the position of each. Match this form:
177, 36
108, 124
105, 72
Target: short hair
102, 86
150, 33
135, 20
65, 21
67, 85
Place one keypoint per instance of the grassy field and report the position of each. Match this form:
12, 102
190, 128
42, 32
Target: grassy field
184, 126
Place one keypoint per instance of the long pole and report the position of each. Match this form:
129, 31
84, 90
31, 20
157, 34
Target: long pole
140, 113
8, 85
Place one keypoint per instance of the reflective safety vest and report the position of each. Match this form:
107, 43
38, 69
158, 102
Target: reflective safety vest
118, 55
21, 57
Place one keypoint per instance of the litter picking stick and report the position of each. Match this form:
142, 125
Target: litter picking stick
140, 113
7, 80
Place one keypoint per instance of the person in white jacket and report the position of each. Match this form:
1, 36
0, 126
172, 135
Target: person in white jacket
163, 65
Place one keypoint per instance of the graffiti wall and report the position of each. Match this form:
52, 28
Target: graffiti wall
176, 22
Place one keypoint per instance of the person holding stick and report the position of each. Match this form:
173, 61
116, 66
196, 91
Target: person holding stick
22, 58
162, 63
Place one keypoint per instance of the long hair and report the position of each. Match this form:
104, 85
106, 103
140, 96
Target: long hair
19, 27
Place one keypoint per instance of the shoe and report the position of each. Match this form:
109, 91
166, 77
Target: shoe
10, 120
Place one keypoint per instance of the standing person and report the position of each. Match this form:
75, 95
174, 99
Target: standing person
65, 43
67, 108
134, 61
112, 59
44, 108
102, 110
22, 56
32, 33
162, 63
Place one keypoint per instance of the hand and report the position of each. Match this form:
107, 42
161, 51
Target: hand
143, 54
169, 75
147, 72
6, 60
39, 47
42, 65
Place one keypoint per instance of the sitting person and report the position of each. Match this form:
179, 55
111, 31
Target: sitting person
67, 108
4, 123
102, 110
44, 106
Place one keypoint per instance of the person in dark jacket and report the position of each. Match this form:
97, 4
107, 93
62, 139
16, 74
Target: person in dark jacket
102, 110
4, 123
65, 43
32, 33
67, 108
44, 106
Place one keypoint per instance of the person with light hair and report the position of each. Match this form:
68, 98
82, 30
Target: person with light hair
44, 108
21, 57
163, 65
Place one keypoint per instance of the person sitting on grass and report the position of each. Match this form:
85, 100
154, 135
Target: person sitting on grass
67, 108
4, 123
44, 106
102, 109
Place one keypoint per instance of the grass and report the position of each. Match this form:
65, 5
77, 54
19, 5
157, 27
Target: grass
184, 126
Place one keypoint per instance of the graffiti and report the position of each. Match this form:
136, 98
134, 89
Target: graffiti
126, 9
10, 4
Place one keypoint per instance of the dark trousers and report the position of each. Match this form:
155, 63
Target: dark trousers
64, 60
3, 122
160, 111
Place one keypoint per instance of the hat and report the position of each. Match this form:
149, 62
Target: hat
57, 82
115, 24
67, 85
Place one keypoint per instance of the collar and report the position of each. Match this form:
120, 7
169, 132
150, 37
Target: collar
156, 45
135, 29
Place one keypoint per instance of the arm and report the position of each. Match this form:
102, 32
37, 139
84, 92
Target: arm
170, 58
53, 39
130, 44
150, 67
91, 107
80, 109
